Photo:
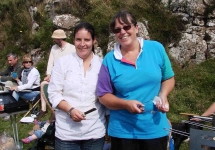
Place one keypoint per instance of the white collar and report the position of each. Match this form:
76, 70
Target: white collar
117, 52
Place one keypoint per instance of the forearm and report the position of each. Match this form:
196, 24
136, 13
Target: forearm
167, 86
6, 78
64, 106
210, 110
112, 102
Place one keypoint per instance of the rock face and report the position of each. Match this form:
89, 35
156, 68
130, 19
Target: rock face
198, 41
196, 45
66, 21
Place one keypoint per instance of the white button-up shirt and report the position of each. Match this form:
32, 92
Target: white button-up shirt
69, 83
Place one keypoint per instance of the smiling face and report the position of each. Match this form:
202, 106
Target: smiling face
27, 64
126, 36
27, 61
84, 43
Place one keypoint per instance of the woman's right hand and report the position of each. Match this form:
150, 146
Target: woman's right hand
77, 115
134, 106
47, 78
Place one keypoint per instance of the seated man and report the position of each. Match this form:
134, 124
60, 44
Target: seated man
6, 75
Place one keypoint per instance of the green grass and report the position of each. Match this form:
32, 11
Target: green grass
193, 93
23, 128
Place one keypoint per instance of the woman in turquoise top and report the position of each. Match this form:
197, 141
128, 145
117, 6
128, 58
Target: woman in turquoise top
132, 76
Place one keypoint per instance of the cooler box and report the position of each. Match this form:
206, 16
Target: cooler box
10, 103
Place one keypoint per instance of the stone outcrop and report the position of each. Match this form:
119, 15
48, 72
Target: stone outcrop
196, 45
198, 40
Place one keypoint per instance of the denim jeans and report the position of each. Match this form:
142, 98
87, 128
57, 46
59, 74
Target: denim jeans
39, 133
91, 144
25, 95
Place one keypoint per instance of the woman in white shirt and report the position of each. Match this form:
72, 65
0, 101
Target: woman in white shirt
30, 80
72, 92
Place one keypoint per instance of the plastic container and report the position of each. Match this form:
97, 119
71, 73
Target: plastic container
14, 75
1, 105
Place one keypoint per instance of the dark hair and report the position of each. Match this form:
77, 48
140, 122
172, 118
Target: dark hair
12, 54
123, 16
88, 27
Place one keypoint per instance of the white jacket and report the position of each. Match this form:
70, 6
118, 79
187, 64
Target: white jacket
33, 80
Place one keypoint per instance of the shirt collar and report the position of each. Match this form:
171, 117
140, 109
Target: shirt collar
80, 60
117, 52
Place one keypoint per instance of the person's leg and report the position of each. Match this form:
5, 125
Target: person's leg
152, 144
43, 102
66, 145
124, 144
30, 138
28, 95
93, 144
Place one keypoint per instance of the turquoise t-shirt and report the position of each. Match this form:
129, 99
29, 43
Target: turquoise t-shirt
141, 81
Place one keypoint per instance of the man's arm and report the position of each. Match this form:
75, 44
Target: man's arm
18, 70
5, 75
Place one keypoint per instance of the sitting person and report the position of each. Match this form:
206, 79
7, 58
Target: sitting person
30, 80
43, 126
14, 66
6, 74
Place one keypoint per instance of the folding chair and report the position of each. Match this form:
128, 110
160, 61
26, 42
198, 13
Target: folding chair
33, 104
44, 94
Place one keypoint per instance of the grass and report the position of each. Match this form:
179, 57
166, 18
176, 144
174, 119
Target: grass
193, 93
23, 128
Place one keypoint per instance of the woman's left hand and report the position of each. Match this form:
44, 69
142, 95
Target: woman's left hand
164, 105
13, 88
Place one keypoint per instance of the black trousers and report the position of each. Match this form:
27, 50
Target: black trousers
139, 144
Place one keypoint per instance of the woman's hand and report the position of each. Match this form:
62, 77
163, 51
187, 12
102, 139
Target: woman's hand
77, 115
13, 88
164, 105
134, 106
17, 80
47, 78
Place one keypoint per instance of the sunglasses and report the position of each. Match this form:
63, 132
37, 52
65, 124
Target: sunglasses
25, 62
118, 30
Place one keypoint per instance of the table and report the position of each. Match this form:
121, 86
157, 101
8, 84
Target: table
14, 126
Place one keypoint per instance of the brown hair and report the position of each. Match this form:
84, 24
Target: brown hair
123, 16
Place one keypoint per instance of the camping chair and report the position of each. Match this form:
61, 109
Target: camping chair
44, 94
33, 105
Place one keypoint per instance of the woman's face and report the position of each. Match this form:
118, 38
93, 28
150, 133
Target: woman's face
83, 43
127, 35
27, 64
